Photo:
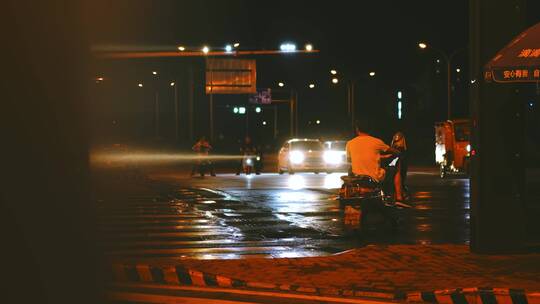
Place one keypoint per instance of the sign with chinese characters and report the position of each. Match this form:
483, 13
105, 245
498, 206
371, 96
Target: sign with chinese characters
231, 76
513, 75
262, 97
529, 53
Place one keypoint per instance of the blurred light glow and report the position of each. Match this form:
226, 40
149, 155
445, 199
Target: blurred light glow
295, 182
309, 47
287, 47
296, 157
154, 73
318, 122
235, 110
371, 74
172, 84
281, 84
242, 110
140, 85
333, 157
458, 70
333, 181
258, 109
335, 80
264, 123
228, 48
399, 94
205, 49
399, 105
422, 45
311, 85
333, 72
237, 44
181, 48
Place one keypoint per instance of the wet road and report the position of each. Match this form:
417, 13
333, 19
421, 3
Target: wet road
272, 215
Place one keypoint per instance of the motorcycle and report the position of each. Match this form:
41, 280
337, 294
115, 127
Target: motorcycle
250, 163
362, 198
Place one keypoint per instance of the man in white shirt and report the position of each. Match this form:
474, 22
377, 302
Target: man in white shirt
364, 153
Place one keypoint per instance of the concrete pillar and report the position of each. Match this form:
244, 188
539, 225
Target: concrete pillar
497, 217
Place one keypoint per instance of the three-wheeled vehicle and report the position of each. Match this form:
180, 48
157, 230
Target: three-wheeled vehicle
452, 146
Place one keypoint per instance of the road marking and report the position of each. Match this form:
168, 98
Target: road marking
278, 295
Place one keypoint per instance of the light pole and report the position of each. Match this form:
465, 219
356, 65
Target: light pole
351, 86
448, 59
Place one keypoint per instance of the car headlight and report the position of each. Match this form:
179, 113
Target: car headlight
332, 157
468, 148
296, 157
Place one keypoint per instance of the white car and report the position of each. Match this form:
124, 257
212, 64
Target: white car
301, 155
335, 156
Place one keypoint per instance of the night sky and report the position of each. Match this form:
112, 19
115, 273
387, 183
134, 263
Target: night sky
354, 37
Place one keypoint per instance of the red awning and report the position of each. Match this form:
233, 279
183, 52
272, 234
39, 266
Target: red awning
519, 61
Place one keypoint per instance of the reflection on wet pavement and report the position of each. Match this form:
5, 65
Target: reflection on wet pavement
274, 215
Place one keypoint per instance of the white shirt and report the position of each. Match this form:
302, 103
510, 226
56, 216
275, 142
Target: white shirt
365, 154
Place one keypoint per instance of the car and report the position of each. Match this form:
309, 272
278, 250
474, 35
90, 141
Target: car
335, 156
301, 155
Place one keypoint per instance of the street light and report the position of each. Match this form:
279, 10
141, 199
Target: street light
237, 44
311, 85
154, 73
205, 49
228, 48
448, 60
318, 122
264, 123
458, 70
309, 47
333, 72
335, 80
258, 109
172, 84
140, 85
371, 74
281, 84
181, 48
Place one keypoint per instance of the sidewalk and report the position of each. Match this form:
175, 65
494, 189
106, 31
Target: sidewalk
392, 272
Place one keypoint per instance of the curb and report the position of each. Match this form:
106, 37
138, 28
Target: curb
179, 275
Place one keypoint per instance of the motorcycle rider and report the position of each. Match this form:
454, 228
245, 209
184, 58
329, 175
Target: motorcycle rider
202, 147
247, 148
364, 153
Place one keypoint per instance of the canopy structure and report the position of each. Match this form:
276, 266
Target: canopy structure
519, 61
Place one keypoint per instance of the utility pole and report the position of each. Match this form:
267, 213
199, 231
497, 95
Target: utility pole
190, 103
176, 111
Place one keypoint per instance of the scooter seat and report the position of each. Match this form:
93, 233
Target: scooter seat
359, 179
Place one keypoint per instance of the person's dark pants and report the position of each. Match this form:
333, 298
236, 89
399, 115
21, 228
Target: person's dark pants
388, 182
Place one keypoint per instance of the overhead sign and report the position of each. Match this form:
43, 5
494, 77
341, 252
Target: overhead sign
262, 97
231, 76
